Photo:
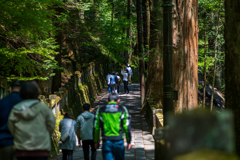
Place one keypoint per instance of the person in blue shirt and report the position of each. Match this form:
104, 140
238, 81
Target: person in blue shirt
6, 105
108, 81
114, 82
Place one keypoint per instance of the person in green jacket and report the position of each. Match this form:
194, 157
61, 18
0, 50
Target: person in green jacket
114, 120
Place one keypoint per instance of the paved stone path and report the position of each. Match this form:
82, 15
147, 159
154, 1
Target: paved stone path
142, 140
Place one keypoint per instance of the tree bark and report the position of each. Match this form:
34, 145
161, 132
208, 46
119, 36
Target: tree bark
185, 55
146, 24
140, 52
155, 64
129, 31
232, 63
146, 28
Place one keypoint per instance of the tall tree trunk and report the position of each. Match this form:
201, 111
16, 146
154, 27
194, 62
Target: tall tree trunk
232, 63
205, 63
146, 27
129, 31
185, 56
146, 24
140, 51
57, 79
155, 64
215, 61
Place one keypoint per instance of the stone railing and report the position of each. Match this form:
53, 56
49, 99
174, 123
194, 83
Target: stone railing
66, 94
191, 133
154, 117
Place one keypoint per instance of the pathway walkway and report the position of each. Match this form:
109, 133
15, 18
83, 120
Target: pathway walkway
142, 140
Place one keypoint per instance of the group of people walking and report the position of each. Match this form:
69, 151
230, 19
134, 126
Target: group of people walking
113, 80
26, 126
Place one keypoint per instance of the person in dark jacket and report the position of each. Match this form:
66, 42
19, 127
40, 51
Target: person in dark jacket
6, 138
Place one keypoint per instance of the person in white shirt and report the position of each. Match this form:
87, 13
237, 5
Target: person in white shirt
119, 79
129, 73
108, 81
125, 81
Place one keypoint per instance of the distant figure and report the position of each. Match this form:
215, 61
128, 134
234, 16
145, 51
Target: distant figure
31, 123
113, 82
6, 138
114, 120
108, 81
118, 84
125, 81
129, 73
85, 132
68, 125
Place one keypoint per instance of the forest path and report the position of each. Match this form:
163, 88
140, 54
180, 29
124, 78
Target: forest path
142, 140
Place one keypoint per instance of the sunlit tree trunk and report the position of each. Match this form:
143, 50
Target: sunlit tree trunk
232, 63
185, 56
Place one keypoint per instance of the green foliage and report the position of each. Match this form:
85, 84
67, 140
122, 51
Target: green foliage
26, 45
208, 13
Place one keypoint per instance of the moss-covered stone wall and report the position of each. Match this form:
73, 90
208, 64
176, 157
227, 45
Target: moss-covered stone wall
86, 92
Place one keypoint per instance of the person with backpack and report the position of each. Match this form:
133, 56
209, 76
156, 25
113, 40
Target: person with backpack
31, 123
108, 81
67, 128
113, 120
125, 81
129, 73
118, 84
6, 105
113, 82
85, 132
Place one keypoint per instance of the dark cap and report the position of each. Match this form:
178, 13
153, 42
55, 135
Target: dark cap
86, 106
15, 83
